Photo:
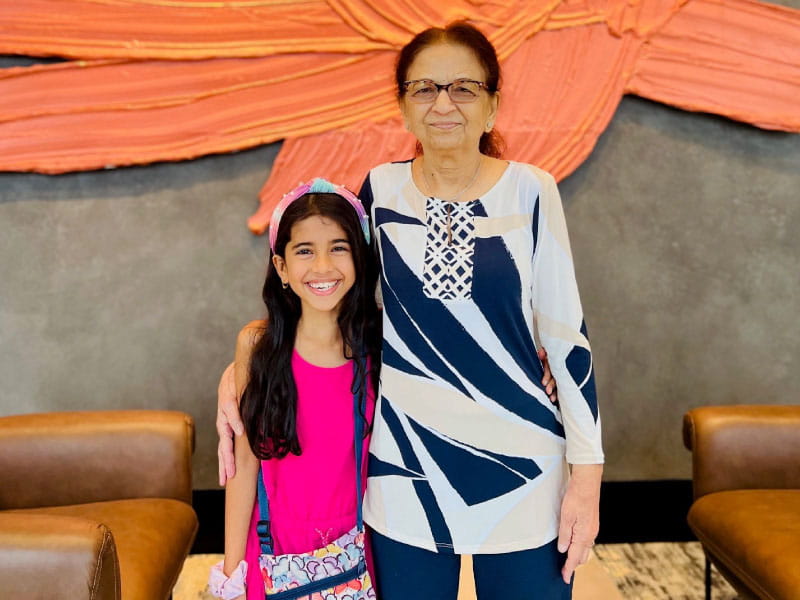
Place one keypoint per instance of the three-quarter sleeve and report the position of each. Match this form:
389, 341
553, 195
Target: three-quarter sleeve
366, 197
560, 327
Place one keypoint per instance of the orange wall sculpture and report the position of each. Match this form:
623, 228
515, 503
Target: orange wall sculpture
165, 80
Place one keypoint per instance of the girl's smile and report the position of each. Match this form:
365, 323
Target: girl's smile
323, 288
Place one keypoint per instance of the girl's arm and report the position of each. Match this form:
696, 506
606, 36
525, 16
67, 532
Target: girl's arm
240, 491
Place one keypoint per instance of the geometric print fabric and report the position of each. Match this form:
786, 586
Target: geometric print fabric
449, 248
469, 455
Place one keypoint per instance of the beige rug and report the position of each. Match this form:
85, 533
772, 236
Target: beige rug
657, 571
591, 581
661, 571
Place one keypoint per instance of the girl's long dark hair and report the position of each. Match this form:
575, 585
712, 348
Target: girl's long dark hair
269, 402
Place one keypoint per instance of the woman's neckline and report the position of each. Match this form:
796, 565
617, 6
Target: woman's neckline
299, 357
488, 192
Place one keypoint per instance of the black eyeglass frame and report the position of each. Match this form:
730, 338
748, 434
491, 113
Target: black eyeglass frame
446, 87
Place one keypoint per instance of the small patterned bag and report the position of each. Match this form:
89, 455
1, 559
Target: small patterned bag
337, 571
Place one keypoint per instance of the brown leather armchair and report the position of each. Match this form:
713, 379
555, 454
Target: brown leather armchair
746, 510
95, 504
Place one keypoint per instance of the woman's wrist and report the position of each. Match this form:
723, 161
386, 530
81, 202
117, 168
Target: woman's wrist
586, 477
590, 471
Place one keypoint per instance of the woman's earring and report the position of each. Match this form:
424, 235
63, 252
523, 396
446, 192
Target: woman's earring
489, 126
285, 284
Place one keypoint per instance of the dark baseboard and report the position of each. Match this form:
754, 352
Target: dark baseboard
630, 511
210, 508
645, 511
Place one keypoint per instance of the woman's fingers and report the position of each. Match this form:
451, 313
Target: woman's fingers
579, 520
586, 553
564, 531
548, 381
578, 554
228, 422
221, 468
567, 542
228, 404
225, 458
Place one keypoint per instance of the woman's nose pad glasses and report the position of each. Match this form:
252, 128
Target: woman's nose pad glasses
461, 91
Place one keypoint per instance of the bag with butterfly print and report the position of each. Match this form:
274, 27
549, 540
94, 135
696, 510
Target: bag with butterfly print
337, 571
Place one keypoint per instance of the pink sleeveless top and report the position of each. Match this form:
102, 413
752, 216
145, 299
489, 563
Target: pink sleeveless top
312, 497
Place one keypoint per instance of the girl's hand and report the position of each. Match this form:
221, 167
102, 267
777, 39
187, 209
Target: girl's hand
228, 587
228, 422
547, 381
580, 517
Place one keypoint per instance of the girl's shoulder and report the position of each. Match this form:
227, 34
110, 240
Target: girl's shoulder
245, 342
251, 333
248, 338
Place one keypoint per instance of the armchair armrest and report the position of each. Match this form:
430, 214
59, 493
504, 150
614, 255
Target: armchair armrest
56, 459
42, 556
743, 447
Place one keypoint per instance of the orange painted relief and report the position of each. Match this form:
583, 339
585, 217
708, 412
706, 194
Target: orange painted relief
166, 80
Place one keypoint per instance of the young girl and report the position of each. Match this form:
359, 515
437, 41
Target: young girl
301, 376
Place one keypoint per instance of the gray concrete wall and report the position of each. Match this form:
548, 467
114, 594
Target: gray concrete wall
686, 235
126, 288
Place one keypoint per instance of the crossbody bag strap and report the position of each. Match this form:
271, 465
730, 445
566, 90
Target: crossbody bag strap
359, 409
262, 527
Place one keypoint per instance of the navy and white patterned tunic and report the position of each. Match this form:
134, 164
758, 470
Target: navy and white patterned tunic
468, 454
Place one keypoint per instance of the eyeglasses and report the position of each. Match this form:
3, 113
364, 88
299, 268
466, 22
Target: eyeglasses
423, 91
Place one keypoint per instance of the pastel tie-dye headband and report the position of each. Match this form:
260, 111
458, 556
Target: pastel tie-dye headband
316, 186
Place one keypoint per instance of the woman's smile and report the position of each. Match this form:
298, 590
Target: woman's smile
445, 125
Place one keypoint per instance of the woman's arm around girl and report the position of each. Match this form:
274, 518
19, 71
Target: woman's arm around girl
240, 491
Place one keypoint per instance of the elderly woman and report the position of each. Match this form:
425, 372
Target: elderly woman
468, 456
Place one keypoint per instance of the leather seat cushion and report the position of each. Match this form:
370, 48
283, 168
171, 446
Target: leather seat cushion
47, 556
755, 534
152, 535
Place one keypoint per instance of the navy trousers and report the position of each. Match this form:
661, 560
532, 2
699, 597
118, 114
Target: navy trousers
403, 572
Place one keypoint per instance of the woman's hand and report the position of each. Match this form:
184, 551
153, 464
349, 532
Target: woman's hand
580, 517
547, 381
228, 422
